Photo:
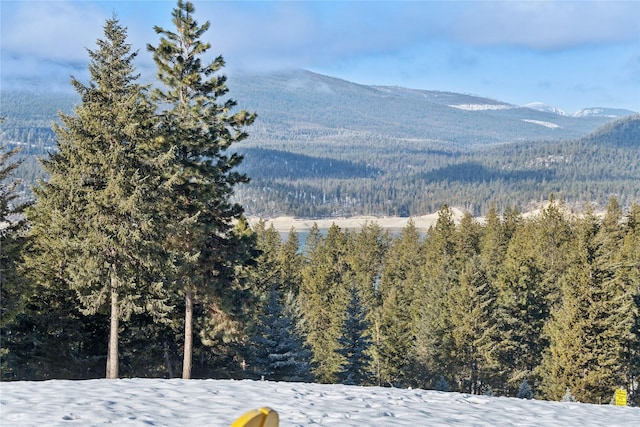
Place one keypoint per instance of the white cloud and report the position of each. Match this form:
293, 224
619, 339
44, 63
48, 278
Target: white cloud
549, 25
56, 30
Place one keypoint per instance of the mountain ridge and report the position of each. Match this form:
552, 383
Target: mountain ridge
326, 147
312, 102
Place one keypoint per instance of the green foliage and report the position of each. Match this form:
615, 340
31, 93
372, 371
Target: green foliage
521, 308
198, 125
94, 223
12, 231
355, 343
394, 334
280, 352
142, 192
323, 296
433, 326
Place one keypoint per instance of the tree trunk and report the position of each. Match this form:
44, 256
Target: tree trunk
188, 334
112, 357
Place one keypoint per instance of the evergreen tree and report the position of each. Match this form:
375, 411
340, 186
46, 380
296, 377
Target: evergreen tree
355, 344
472, 308
323, 296
394, 337
588, 329
290, 264
467, 238
313, 240
266, 272
521, 310
280, 353
493, 244
568, 356
433, 326
198, 124
366, 259
524, 391
95, 223
553, 240
629, 276
12, 230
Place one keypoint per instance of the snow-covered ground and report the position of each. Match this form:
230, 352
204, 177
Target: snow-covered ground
157, 402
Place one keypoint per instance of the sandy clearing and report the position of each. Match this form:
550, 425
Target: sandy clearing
285, 223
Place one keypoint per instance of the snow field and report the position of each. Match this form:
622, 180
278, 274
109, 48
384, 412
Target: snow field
160, 402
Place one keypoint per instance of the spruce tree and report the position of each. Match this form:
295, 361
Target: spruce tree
521, 310
280, 353
524, 391
472, 307
95, 224
370, 246
12, 230
394, 338
568, 356
290, 263
493, 244
355, 343
433, 326
265, 274
589, 329
323, 296
197, 122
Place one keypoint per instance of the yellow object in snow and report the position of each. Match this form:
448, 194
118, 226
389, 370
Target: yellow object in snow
263, 417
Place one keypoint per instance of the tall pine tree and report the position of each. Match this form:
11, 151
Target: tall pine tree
95, 224
198, 123
323, 297
393, 339
433, 327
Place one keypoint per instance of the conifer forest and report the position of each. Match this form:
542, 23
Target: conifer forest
133, 259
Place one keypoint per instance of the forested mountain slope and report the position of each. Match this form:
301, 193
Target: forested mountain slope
325, 147
416, 178
299, 106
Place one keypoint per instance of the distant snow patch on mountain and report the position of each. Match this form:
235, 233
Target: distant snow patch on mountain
542, 123
481, 107
539, 106
603, 112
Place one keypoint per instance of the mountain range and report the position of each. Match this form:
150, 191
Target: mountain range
300, 104
325, 147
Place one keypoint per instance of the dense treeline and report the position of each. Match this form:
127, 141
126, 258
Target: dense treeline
552, 299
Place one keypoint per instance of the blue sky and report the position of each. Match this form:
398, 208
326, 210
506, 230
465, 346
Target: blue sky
570, 54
